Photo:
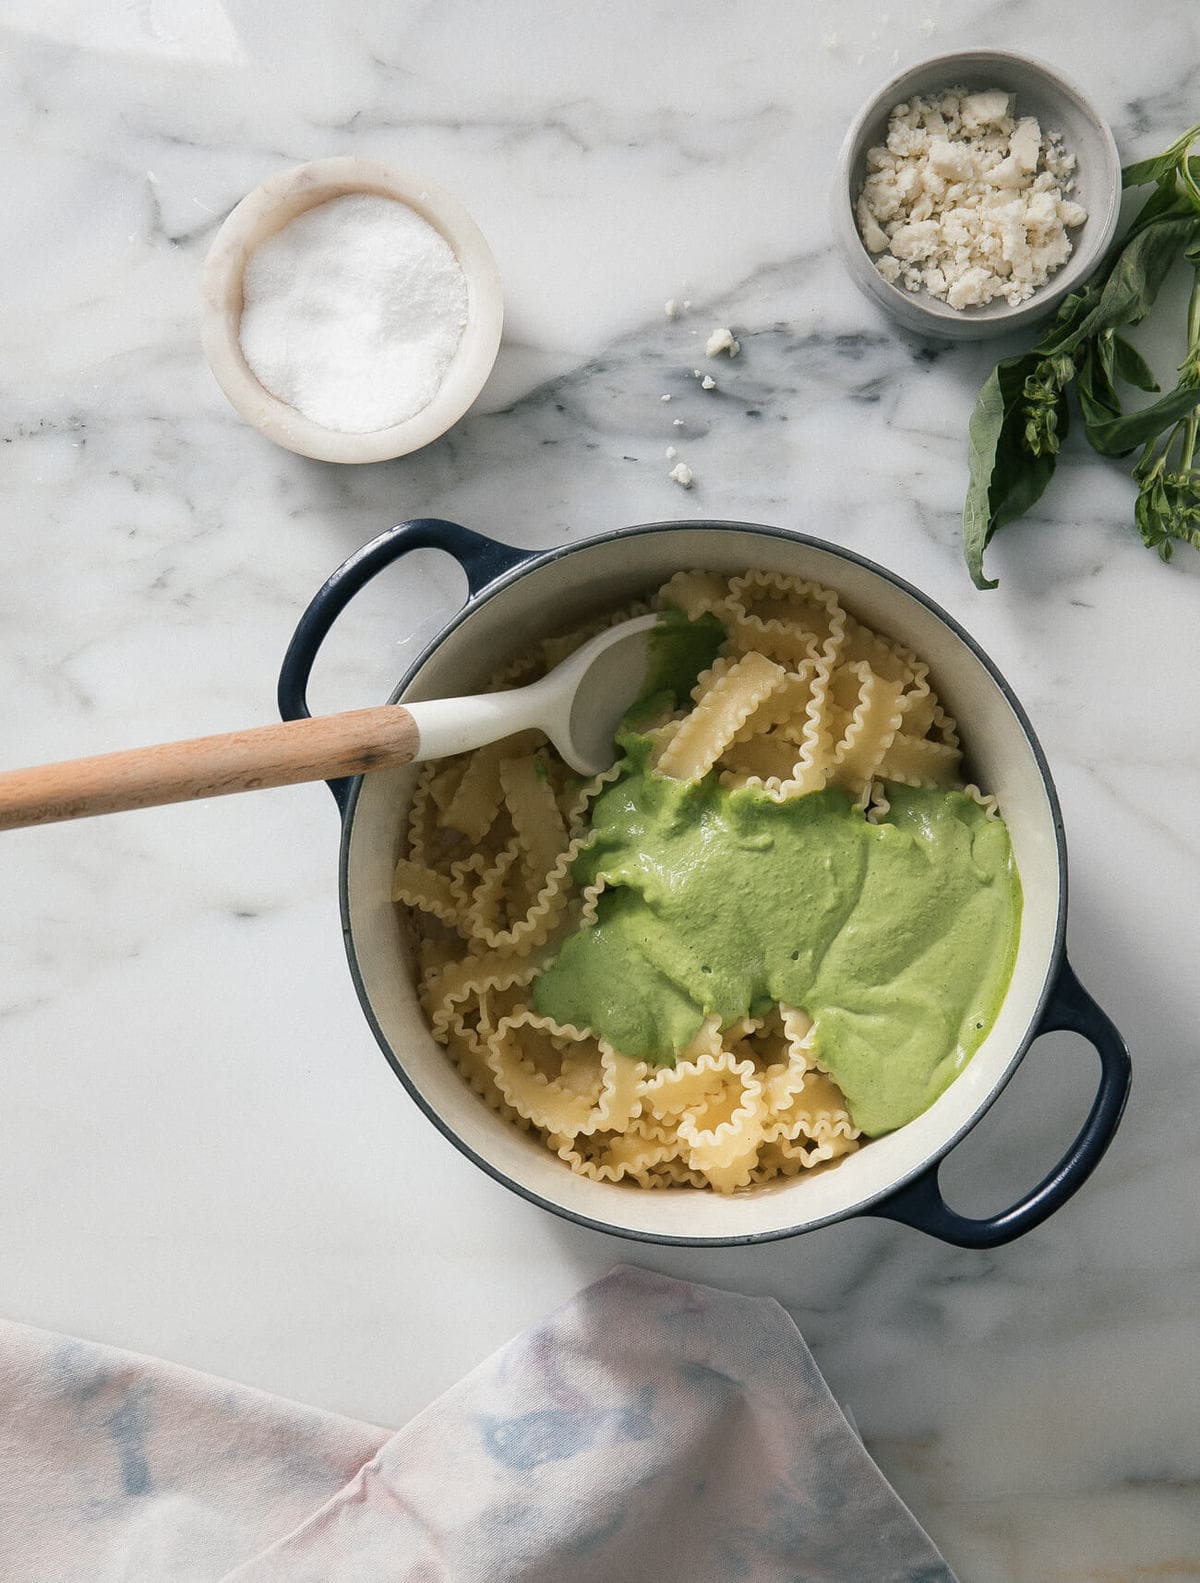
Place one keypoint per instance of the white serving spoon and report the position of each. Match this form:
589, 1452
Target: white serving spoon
578, 706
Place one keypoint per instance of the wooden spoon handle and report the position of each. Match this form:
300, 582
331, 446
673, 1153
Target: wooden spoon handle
300, 750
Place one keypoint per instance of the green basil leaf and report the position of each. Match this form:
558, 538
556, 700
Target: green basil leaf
1098, 399
983, 437
1118, 436
1147, 170
1166, 202
1131, 366
1106, 357
1073, 311
1191, 183
1005, 479
1136, 277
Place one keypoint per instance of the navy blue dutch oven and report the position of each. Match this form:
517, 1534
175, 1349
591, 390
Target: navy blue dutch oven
518, 596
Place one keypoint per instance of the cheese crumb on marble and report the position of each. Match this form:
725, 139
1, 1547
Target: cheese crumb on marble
672, 453
968, 200
721, 340
708, 383
671, 308
682, 475
664, 398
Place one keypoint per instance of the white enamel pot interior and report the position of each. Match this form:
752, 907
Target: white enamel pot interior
519, 597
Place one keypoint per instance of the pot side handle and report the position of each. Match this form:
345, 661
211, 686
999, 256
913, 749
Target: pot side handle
919, 1203
482, 559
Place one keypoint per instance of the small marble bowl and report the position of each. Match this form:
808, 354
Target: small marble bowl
1059, 107
267, 210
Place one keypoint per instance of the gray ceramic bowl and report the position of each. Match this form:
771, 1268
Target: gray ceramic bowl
1060, 107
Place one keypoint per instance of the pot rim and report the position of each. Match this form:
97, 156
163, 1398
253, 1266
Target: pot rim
533, 561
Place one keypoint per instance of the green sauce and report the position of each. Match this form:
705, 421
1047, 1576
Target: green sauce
898, 939
679, 650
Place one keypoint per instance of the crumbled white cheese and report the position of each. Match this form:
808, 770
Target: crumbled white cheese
967, 201
677, 423
952, 160
708, 383
980, 111
682, 475
664, 398
671, 308
672, 453
1025, 145
722, 340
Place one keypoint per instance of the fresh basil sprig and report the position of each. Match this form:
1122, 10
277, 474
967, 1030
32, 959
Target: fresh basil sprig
1022, 413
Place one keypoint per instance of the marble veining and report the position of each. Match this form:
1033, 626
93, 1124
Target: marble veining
202, 1154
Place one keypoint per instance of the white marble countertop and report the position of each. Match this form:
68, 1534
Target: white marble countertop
202, 1153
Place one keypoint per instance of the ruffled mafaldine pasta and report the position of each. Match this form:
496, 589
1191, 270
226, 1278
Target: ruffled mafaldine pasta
778, 926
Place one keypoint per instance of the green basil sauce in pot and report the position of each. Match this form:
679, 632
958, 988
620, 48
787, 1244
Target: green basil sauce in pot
898, 938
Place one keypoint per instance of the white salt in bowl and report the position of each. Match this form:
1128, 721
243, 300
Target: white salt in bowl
1060, 106
263, 213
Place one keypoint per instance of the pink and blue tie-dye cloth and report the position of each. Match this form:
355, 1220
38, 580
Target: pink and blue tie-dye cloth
649, 1429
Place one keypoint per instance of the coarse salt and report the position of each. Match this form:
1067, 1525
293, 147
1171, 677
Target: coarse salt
353, 313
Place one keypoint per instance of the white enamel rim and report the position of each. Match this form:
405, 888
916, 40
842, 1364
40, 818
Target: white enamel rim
267, 210
635, 559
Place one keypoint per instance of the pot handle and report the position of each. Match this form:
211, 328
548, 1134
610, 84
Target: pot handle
919, 1203
482, 559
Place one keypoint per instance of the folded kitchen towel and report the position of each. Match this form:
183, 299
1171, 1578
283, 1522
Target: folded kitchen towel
648, 1429
116, 1468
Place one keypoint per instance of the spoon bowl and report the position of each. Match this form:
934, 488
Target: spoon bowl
614, 675
578, 704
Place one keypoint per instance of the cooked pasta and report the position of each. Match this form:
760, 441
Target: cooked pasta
800, 697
